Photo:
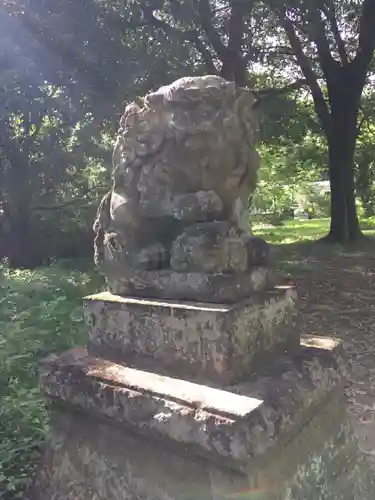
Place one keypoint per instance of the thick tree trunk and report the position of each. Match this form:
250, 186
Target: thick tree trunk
23, 247
341, 148
234, 69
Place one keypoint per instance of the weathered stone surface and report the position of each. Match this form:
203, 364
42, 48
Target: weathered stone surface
202, 287
321, 462
200, 341
187, 156
210, 247
153, 437
275, 406
200, 206
87, 459
135, 441
258, 251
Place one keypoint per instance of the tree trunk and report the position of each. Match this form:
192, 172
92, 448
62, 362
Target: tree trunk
234, 70
23, 247
341, 148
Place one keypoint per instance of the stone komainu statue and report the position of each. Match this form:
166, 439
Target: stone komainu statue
176, 218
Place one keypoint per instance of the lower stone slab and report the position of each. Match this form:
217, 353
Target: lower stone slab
91, 459
321, 462
201, 341
234, 424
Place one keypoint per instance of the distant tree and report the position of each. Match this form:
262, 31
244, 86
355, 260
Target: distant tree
365, 157
333, 44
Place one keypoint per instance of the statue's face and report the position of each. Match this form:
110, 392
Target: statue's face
200, 130
189, 107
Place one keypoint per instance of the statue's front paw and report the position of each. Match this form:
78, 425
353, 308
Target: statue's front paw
210, 247
155, 256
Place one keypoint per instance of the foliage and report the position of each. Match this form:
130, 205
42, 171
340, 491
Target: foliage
284, 177
67, 72
365, 159
293, 156
48, 140
40, 312
292, 142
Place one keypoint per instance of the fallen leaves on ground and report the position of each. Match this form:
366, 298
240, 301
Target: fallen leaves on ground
337, 298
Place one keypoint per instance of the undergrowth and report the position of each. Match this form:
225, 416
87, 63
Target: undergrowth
40, 313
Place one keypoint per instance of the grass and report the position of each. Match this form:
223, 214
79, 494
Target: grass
41, 312
303, 231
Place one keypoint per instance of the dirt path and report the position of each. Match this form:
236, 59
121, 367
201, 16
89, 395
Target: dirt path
337, 298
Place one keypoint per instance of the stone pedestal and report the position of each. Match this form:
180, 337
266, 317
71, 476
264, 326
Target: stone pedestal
200, 341
175, 400
255, 410
178, 401
122, 433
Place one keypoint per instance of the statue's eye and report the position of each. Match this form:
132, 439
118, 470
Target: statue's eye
113, 243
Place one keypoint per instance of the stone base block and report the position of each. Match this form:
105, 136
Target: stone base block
193, 340
205, 287
119, 433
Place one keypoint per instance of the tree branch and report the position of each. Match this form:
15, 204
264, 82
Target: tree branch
330, 13
360, 124
205, 18
188, 35
366, 39
320, 104
365, 119
204, 52
236, 27
263, 94
68, 203
317, 29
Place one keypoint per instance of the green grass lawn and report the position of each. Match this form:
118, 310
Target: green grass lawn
41, 312
300, 231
